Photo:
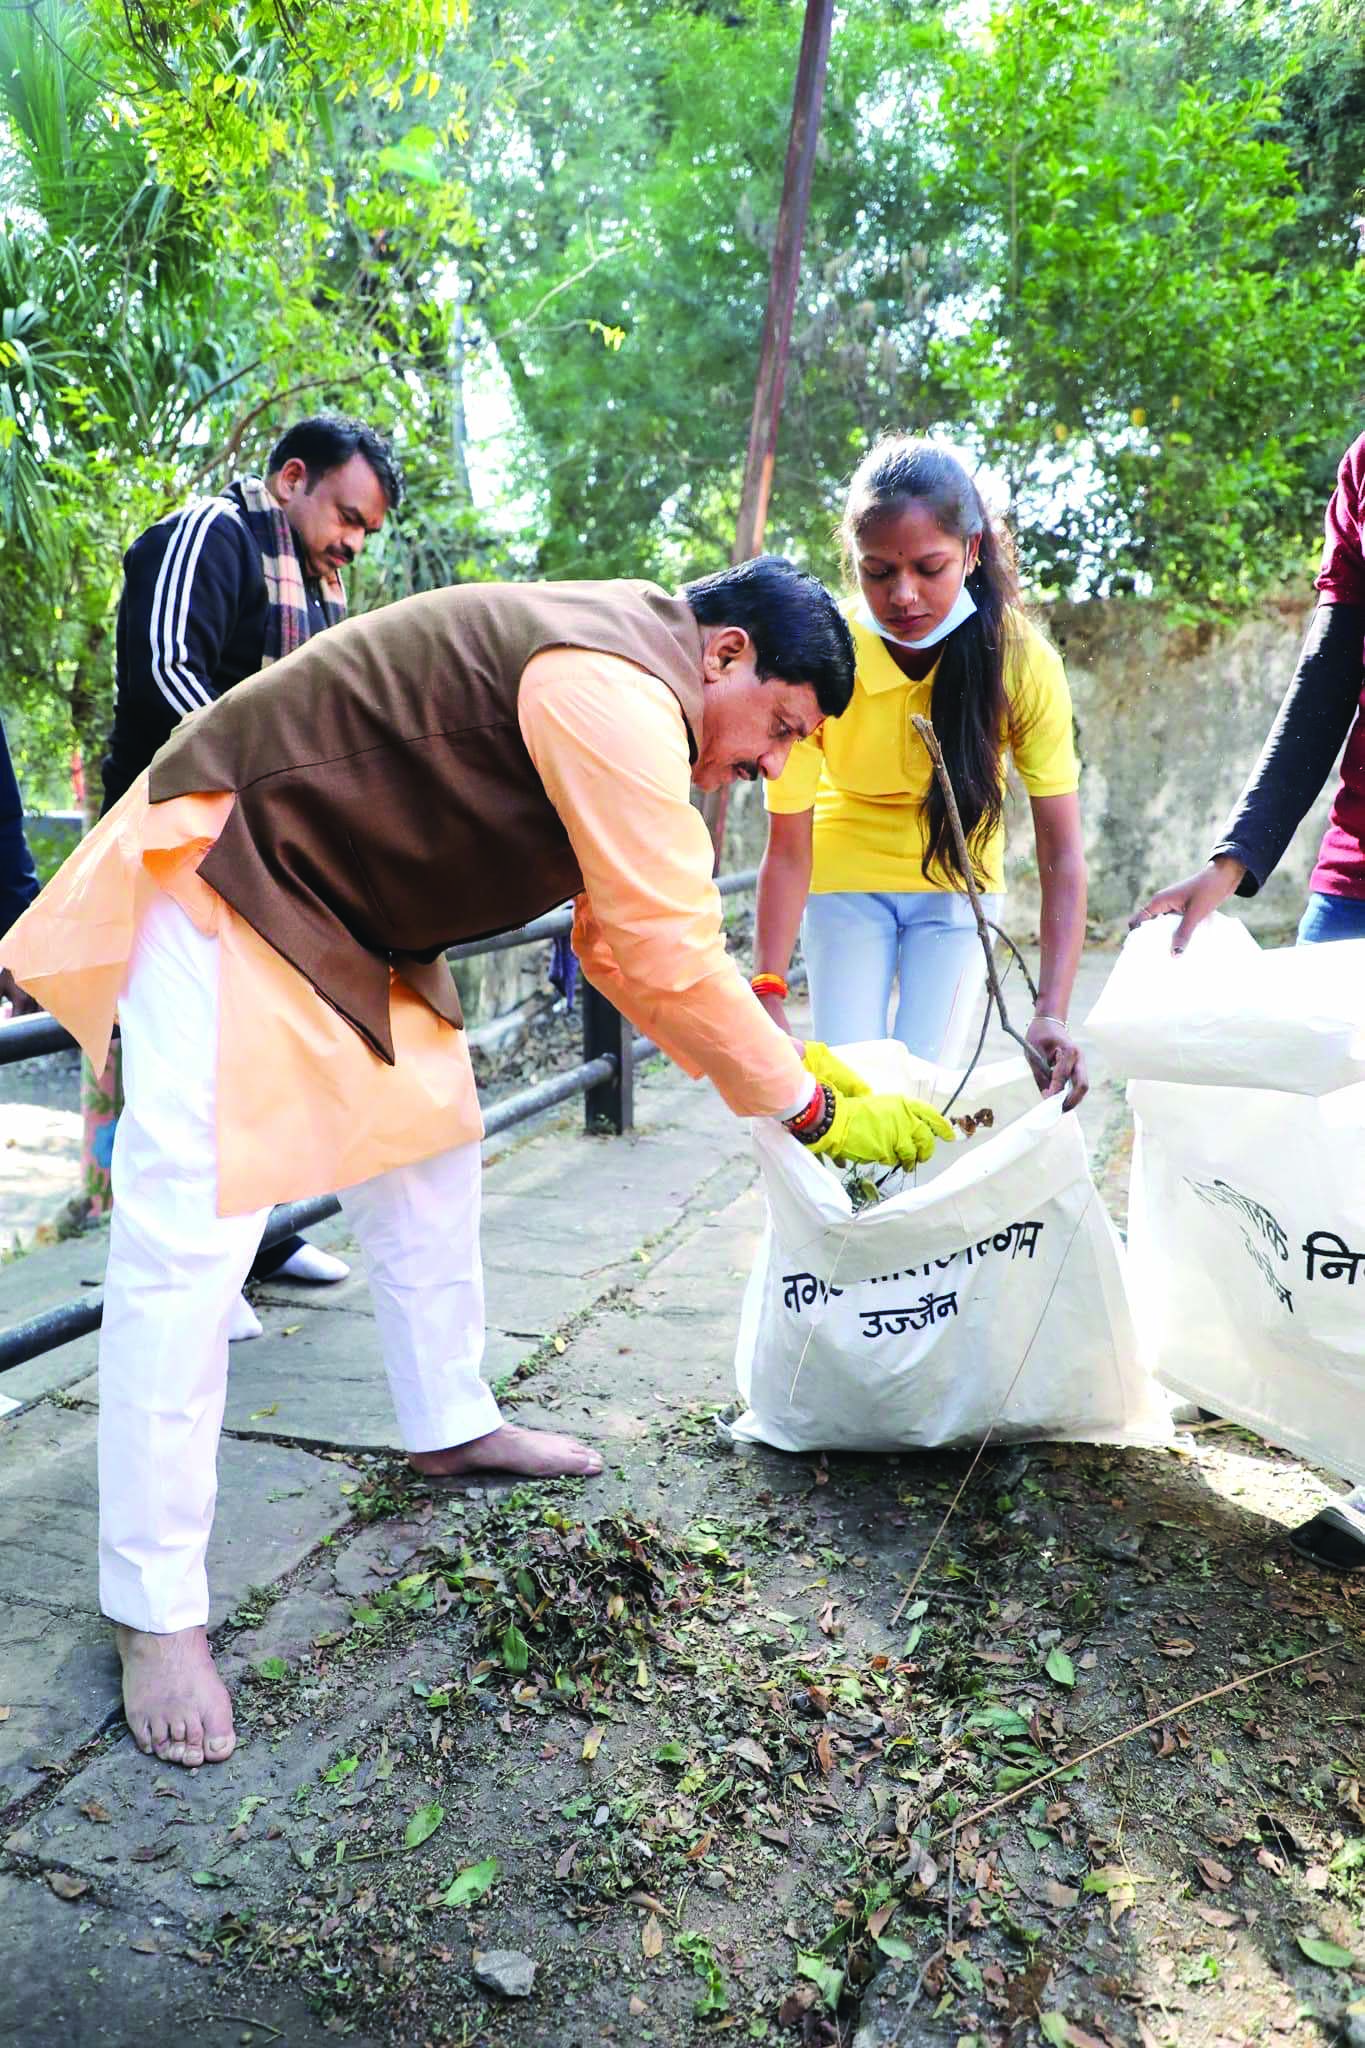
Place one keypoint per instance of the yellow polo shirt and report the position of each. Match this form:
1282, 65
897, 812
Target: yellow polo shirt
867, 773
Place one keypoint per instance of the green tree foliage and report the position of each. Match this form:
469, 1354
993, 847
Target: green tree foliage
217, 218
1115, 253
1158, 345
1094, 244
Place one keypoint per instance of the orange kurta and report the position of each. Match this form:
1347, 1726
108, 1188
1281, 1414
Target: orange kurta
304, 1106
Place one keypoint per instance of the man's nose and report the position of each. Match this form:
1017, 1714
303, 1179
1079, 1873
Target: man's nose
773, 759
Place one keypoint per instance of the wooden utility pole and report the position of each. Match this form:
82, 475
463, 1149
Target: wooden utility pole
777, 323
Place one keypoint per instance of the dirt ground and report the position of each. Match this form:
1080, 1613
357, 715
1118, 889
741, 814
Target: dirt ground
876, 1752
693, 1766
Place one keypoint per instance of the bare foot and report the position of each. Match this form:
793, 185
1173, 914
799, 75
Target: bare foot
176, 1704
538, 1453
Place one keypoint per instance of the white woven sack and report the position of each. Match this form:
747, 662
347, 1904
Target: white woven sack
987, 1296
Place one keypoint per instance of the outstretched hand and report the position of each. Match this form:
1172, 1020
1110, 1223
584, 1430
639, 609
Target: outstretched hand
1193, 899
883, 1130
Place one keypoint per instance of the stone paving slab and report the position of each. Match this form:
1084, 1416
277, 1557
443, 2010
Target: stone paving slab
165, 1825
94, 1978
59, 1675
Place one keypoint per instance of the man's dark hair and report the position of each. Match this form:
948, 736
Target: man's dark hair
327, 439
799, 633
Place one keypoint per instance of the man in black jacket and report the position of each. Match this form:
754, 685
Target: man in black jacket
18, 876
216, 592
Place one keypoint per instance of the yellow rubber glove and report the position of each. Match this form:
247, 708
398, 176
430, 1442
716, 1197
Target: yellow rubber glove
886, 1130
827, 1066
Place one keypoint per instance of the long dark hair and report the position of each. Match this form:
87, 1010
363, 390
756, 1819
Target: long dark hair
969, 706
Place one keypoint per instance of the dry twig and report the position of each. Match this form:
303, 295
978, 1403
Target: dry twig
1200, 1699
1031, 1053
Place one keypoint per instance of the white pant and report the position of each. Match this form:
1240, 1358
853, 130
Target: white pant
176, 1268
858, 944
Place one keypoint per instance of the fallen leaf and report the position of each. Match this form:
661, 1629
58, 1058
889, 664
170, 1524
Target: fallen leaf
1060, 1895
824, 1752
592, 1742
780, 1836
66, 1886
152, 1852
94, 1811
637, 2006
423, 1825
565, 1863
827, 1624
5, 1713
1215, 1875
699, 1848
1216, 1916
1060, 1668
877, 1921
145, 1946
1175, 1646
1117, 1885
652, 1937
210, 1880
1325, 1952
262, 1414
1268, 1860
797, 2002
751, 1752
471, 1883
1317, 1877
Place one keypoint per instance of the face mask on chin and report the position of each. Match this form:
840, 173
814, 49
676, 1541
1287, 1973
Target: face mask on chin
959, 612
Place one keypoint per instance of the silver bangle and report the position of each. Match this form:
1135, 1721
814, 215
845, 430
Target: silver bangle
1041, 1017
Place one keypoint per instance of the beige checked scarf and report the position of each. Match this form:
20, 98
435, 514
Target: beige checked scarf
287, 624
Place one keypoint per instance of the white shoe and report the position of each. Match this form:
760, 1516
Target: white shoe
243, 1321
313, 1264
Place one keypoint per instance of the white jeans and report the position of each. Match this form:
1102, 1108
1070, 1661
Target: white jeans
857, 945
176, 1268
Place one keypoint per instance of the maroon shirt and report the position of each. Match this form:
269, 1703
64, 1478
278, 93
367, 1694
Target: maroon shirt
1341, 579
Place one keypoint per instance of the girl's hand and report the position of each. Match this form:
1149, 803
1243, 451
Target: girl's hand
1192, 900
1051, 1038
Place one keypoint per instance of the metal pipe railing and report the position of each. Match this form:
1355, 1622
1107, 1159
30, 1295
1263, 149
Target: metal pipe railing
605, 1078
30, 1038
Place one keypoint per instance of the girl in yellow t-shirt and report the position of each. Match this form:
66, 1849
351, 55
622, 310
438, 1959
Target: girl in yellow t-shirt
858, 838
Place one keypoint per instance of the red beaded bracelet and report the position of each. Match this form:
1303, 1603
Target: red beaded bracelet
808, 1129
811, 1114
769, 984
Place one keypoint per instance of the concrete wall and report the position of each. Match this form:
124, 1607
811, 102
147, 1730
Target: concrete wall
1169, 720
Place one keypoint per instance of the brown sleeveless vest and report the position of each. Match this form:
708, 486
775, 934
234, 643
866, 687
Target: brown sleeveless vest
386, 804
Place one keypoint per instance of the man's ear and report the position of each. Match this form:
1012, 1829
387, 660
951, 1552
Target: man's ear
291, 476
722, 646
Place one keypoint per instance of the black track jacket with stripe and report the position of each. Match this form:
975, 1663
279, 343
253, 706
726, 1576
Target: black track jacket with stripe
191, 623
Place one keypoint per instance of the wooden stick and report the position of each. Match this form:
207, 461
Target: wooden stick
1200, 1699
935, 752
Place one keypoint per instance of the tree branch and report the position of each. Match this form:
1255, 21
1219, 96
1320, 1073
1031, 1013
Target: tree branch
935, 752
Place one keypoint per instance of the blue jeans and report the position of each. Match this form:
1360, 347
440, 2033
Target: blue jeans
857, 945
1331, 917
